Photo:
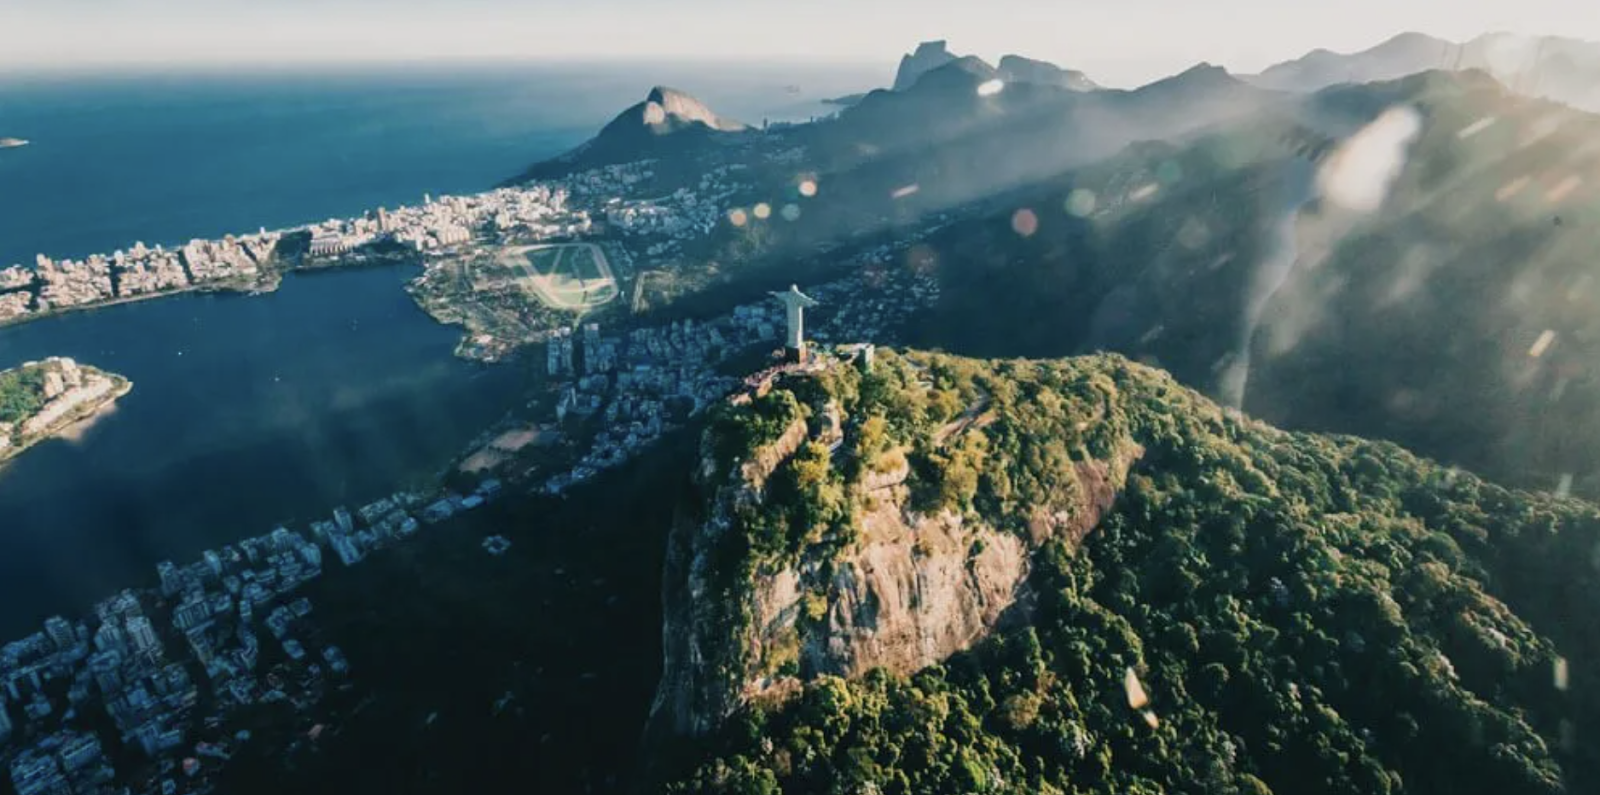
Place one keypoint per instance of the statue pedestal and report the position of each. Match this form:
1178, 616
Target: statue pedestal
795, 355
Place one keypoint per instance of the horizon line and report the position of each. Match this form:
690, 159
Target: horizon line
744, 59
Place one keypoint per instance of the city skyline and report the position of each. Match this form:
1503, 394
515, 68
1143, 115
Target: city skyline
1123, 44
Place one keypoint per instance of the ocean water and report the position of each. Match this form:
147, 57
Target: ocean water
163, 157
249, 411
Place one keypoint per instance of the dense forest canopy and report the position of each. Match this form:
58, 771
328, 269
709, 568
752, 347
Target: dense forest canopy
21, 393
1261, 612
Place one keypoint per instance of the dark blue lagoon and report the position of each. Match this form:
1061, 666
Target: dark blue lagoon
246, 411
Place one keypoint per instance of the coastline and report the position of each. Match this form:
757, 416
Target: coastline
120, 387
266, 282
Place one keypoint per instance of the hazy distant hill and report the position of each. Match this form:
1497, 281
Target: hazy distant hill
666, 122
1567, 70
931, 55
950, 134
928, 56
955, 143
1017, 69
1460, 317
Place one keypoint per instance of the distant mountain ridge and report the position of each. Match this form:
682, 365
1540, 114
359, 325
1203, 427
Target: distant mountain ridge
931, 55
1554, 67
1018, 69
947, 121
1417, 322
928, 56
667, 120
970, 143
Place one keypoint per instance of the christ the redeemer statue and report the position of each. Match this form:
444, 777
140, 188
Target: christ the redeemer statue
795, 302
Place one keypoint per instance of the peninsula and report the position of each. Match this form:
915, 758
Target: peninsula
40, 399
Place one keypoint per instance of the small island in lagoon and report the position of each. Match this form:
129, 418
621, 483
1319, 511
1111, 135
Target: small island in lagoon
40, 399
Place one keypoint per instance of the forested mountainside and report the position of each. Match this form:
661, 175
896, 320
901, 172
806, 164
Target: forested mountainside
1451, 309
1200, 603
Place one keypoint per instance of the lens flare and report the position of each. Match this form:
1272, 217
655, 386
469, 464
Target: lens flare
1563, 189
1024, 222
1080, 202
808, 187
1193, 234
762, 211
1511, 188
1476, 127
737, 217
1542, 344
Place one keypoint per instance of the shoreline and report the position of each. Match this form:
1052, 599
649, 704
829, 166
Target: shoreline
266, 282
120, 387
242, 287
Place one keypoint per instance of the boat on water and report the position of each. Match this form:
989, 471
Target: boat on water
12, 143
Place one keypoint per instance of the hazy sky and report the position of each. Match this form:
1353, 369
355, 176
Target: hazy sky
1119, 42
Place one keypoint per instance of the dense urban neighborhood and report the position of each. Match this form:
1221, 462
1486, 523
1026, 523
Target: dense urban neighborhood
441, 231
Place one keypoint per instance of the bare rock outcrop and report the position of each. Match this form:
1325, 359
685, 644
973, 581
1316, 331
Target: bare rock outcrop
908, 591
928, 56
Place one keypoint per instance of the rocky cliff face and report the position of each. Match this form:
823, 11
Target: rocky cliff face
668, 124
909, 590
928, 56
672, 109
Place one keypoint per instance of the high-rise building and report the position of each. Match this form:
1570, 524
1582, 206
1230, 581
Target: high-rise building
191, 613
213, 562
106, 668
109, 637
33, 773
79, 752
283, 540
60, 632
171, 582
143, 635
